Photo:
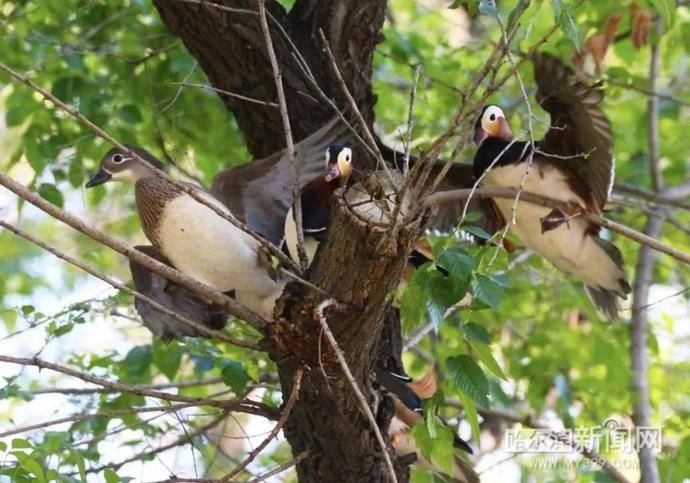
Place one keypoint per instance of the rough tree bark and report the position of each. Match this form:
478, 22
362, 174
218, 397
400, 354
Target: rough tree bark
360, 264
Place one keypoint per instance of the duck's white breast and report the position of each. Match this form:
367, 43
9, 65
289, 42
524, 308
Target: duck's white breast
202, 244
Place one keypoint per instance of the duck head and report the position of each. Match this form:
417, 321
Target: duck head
120, 165
338, 163
492, 124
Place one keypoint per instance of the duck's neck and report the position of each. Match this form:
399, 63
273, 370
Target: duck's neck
498, 152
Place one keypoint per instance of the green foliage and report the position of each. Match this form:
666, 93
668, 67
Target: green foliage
529, 342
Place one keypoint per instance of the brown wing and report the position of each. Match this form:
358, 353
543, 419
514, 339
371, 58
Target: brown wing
260, 192
580, 134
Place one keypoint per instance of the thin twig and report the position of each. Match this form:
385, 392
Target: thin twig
371, 141
106, 390
226, 93
464, 194
191, 191
124, 288
228, 304
86, 417
294, 395
285, 466
290, 145
355, 387
245, 406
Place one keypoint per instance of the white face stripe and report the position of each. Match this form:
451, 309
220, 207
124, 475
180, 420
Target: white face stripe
345, 155
124, 175
491, 114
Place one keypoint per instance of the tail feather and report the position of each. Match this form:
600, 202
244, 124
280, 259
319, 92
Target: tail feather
605, 300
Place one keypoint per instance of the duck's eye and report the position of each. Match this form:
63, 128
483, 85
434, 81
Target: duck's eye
347, 158
492, 117
118, 158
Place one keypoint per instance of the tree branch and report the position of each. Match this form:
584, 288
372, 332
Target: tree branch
124, 288
244, 406
364, 405
639, 322
641, 238
294, 395
230, 305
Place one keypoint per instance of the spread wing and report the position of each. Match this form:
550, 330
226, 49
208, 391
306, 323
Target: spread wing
580, 134
260, 193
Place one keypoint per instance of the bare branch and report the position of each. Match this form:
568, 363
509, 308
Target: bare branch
226, 93
364, 405
105, 390
230, 305
124, 288
294, 395
639, 357
275, 251
279, 469
86, 417
290, 146
244, 406
643, 239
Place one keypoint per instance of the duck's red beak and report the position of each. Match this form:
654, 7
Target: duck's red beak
333, 172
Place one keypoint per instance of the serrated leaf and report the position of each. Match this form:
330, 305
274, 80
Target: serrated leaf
487, 291
50, 192
234, 376
565, 21
469, 378
471, 415
484, 353
458, 262
666, 9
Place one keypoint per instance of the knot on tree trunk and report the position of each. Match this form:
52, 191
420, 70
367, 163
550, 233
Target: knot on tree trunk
357, 267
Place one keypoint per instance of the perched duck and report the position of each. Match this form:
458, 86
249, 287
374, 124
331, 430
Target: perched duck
408, 395
193, 237
316, 199
573, 164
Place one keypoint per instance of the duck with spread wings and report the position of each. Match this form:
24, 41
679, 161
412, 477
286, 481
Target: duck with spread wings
572, 164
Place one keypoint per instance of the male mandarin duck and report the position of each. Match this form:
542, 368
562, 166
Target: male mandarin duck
573, 164
316, 200
408, 396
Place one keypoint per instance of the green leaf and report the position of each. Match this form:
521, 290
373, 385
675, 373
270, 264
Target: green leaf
15, 116
666, 9
19, 443
234, 376
484, 353
110, 476
475, 332
50, 192
469, 378
457, 261
476, 231
130, 114
138, 360
565, 21
487, 291
30, 465
167, 358
473, 216
471, 415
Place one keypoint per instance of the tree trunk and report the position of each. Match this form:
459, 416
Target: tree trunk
328, 419
359, 264
231, 50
